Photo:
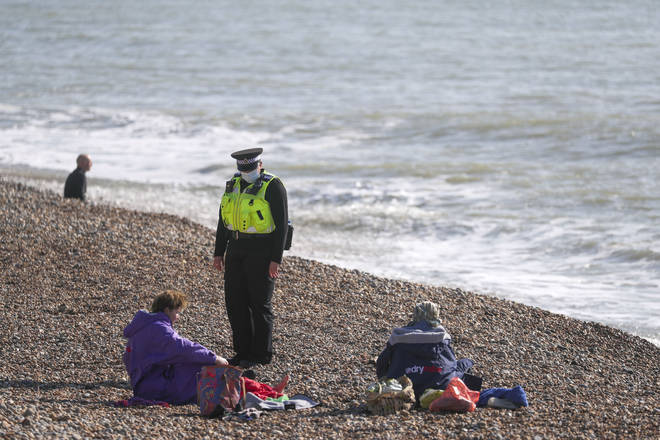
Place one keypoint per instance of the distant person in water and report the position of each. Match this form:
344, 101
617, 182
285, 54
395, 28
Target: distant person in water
162, 365
76, 184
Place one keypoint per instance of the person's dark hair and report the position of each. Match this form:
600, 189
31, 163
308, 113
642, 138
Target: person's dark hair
170, 298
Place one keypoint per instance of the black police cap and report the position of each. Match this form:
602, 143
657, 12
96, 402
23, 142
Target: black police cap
247, 160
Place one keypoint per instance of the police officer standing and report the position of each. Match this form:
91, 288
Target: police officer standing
249, 244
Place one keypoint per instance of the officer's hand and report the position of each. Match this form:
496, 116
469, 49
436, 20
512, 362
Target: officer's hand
273, 269
219, 263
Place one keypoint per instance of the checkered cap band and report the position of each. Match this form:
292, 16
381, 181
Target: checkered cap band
249, 161
248, 164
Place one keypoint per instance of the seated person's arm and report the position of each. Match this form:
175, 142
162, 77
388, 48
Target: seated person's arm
182, 350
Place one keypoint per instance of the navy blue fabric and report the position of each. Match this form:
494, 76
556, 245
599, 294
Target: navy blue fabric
427, 365
516, 395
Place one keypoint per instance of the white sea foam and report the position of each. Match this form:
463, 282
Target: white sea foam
9, 109
141, 147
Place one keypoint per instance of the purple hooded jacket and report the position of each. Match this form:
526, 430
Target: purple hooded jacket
161, 364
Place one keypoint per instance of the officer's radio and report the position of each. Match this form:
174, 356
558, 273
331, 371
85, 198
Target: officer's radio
289, 236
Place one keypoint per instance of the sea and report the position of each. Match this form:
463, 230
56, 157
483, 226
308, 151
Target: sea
505, 147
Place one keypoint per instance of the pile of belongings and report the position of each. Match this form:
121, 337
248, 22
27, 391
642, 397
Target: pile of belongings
421, 355
388, 396
422, 351
459, 397
227, 392
456, 397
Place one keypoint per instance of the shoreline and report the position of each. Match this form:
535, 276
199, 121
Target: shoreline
75, 274
49, 180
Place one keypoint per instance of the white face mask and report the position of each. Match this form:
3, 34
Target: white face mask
250, 176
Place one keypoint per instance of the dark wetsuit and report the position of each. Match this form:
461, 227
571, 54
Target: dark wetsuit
248, 286
76, 185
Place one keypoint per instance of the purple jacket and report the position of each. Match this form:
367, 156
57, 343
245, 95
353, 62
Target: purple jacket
161, 364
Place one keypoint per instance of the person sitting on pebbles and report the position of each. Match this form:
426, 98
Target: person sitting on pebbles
162, 365
422, 351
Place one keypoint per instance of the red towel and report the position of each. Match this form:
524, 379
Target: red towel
261, 390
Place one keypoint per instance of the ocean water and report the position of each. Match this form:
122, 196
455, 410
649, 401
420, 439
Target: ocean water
510, 148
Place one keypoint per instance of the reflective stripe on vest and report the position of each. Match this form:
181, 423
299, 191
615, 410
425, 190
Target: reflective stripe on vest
247, 212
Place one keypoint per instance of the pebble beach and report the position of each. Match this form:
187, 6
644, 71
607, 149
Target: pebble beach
74, 274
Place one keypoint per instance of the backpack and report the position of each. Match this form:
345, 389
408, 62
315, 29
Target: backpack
219, 389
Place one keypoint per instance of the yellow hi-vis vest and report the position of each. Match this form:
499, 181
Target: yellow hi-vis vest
247, 212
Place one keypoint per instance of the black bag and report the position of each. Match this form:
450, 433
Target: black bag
289, 237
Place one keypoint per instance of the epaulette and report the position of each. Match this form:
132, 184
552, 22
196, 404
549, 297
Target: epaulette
229, 185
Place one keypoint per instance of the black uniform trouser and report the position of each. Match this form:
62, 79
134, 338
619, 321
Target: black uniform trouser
248, 294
